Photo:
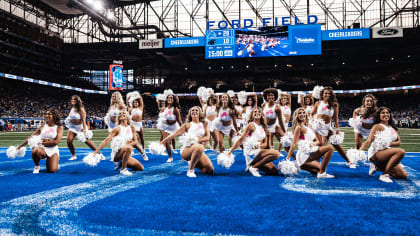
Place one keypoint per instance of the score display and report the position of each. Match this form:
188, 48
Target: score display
220, 44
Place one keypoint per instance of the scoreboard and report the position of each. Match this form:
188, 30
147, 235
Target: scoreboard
220, 44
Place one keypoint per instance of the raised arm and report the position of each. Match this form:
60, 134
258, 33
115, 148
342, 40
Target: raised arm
313, 112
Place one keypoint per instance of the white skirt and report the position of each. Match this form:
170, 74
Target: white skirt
137, 125
72, 127
218, 125
325, 130
50, 150
362, 131
272, 128
210, 124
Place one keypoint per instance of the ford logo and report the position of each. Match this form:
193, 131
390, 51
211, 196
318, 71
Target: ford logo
388, 31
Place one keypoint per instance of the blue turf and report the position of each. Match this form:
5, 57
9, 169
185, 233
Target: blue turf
80, 199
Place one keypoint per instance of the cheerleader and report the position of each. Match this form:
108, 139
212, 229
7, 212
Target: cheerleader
273, 114
385, 157
366, 112
49, 135
123, 139
286, 109
307, 102
327, 110
117, 105
309, 160
170, 121
76, 123
225, 124
238, 109
161, 100
210, 113
197, 132
135, 109
251, 103
255, 143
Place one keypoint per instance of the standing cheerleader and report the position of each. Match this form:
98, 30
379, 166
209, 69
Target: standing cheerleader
196, 133
286, 109
255, 143
136, 105
238, 109
251, 103
210, 113
325, 112
44, 142
117, 105
170, 121
310, 149
76, 123
273, 114
382, 153
123, 138
365, 112
307, 102
225, 124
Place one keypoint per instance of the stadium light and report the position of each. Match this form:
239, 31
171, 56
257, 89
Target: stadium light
97, 5
209, 67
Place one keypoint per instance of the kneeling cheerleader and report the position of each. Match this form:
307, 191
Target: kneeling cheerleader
44, 142
255, 142
382, 153
196, 132
309, 153
123, 138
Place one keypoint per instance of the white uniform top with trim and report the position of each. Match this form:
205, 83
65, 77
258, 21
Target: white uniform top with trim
285, 110
50, 132
114, 111
259, 132
136, 112
238, 108
309, 109
309, 135
324, 110
248, 110
196, 130
224, 114
168, 113
74, 115
211, 110
125, 132
270, 112
389, 131
368, 120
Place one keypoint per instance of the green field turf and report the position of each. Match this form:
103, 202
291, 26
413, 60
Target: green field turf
410, 138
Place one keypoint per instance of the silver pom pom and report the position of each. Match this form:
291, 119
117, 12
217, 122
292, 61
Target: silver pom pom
225, 161
278, 95
337, 139
251, 148
21, 152
287, 139
307, 146
317, 124
242, 97
355, 122
134, 95
89, 134
382, 140
34, 141
117, 143
187, 140
287, 167
167, 92
210, 91
231, 93
316, 92
161, 124
355, 155
300, 97
81, 137
160, 97
156, 148
11, 152
92, 160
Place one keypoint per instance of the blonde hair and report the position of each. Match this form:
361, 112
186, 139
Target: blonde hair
200, 117
119, 100
296, 121
126, 115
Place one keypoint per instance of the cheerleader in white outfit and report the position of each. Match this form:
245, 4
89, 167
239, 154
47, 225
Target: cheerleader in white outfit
307, 102
123, 133
210, 113
117, 105
50, 133
385, 159
225, 123
366, 112
309, 159
255, 142
286, 109
76, 123
251, 103
238, 109
273, 114
196, 133
136, 112
169, 121
327, 110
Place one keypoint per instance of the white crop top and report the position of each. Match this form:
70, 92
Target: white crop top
126, 132
169, 114
74, 115
259, 132
211, 110
196, 130
309, 135
309, 109
114, 111
324, 110
224, 114
136, 112
49, 132
368, 120
394, 135
285, 110
270, 112
238, 108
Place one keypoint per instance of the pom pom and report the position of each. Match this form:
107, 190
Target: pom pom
161, 124
107, 120
156, 148
242, 97
21, 152
217, 124
287, 139
117, 143
34, 141
11, 152
355, 155
251, 147
160, 97
300, 97
278, 95
317, 124
134, 96
204, 94
210, 91
188, 140
337, 139
225, 161
89, 134
67, 122
355, 122
306, 146
287, 167
92, 160
201, 91
81, 137
382, 140
230, 93
167, 92
316, 92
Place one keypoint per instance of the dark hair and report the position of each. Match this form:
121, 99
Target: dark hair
368, 112
270, 90
377, 117
140, 101
310, 98
56, 116
79, 103
253, 101
212, 97
262, 119
230, 103
175, 103
332, 101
